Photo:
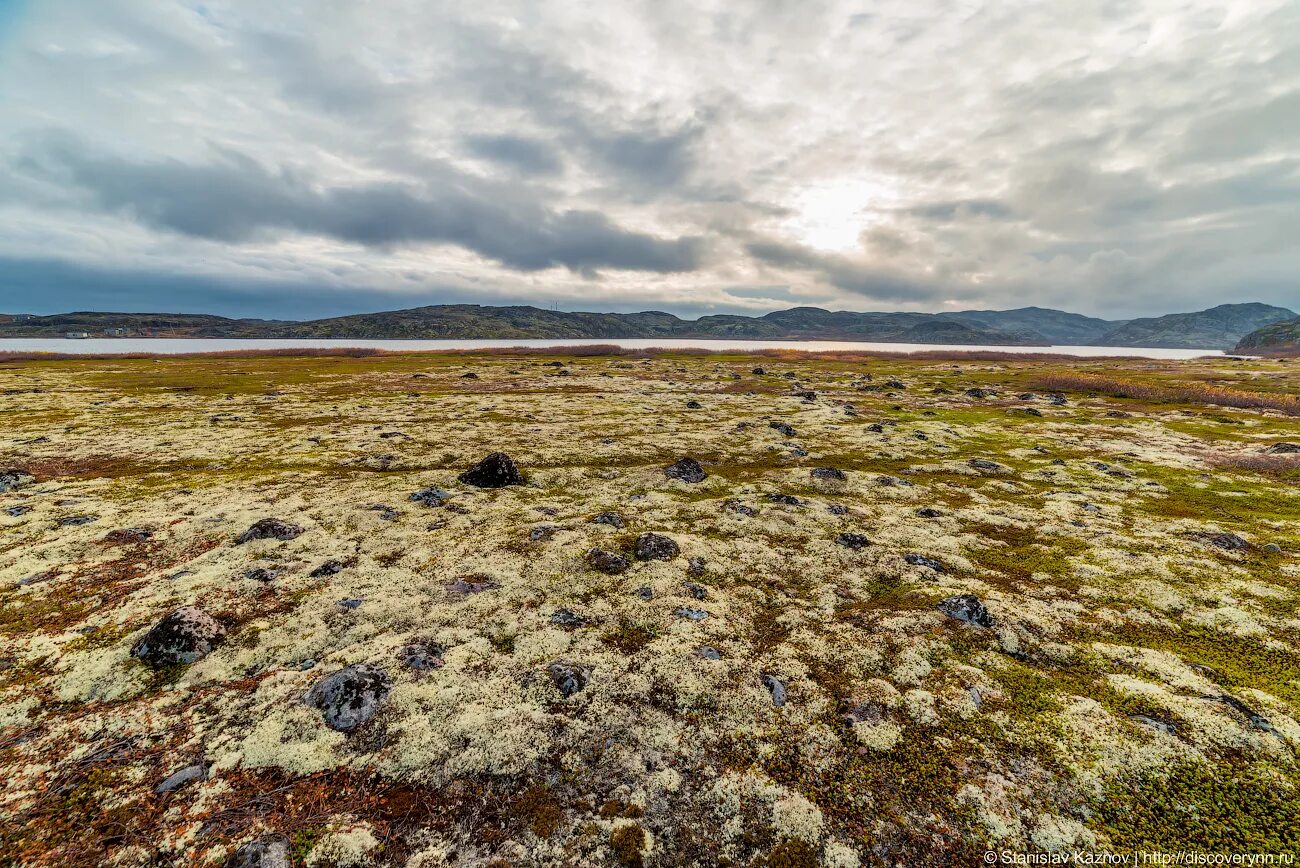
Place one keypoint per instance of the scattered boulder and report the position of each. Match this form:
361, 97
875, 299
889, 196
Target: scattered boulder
917, 560
607, 562
694, 405
463, 586
686, 470
261, 574
568, 619
15, 511
329, 568
128, 536
181, 777
1275, 449
785, 499
968, 609
979, 393
1229, 542
706, 652
758, 372
613, 519
735, 507
568, 678
655, 547
350, 697
495, 471
697, 591
855, 541
261, 854
430, 496
829, 474
269, 528
783, 428
182, 637
775, 687
691, 614
837, 509
984, 465
13, 479
422, 655
543, 532
76, 520
645, 592
929, 512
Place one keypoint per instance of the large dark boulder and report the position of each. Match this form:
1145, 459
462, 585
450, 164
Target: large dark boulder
350, 697
182, 637
655, 547
496, 471
607, 562
269, 528
686, 470
14, 479
968, 609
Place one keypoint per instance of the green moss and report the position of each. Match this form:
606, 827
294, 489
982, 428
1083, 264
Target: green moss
1195, 806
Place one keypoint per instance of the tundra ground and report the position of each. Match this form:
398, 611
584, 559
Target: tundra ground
784, 691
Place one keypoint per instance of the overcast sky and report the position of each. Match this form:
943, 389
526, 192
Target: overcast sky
297, 159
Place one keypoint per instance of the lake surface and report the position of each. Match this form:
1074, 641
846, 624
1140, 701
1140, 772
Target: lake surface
172, 346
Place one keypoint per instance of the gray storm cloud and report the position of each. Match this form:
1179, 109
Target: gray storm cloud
1117, 159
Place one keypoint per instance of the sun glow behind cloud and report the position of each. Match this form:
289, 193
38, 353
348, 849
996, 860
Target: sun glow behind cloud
831, 216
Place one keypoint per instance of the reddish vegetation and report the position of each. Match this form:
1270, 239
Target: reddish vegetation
1196, 394
1265, 465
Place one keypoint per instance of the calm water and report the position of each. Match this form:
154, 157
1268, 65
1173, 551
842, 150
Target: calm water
171, 346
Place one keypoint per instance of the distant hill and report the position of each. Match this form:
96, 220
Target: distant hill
1056, 326
1219, 328
1279, 337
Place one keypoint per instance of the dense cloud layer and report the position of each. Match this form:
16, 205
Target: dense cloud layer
1116, 159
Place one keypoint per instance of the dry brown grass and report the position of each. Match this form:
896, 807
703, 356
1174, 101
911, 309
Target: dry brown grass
1187, 394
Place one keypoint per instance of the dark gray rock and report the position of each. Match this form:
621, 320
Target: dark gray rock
1154, 723
261, 854
431, 496
77, 520
261, 574
613, 519
706, 652
269, 528
784, 499
929, 512
691, 614
775, 687
917, 560
837, 509
968, 609
495, 471
694, 405
855, 541
607, 562
979, 393
1276, 449
182, 637
329, 568
735, 507
350, 697
567, 619
1227, 541
128, 536
14, 479
567, 677
686, 470
15, 511
645, 592
758, 372
351, 603
828, 474
181, 777
986, 466
463, 586
783, 428
542, 532
422, 655
655, 547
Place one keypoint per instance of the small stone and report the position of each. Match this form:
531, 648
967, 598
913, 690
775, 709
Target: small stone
829, 474
15, 511
613, 519
695, 566
567, 619
917, 560
837, 509
686, 470
691, 614
1272, 548
986, 466
706, 652
870, 713
13, 479
350, 697
783, 428
128, 536
697, 591
968, 609
979, 393
260, 854
855, 541
568, 678
463, 586
542, 532
181, 777
785, 499
775, 687
607, 562
422, 656
1226, 541
735, 507
758, 372
929, 512
431, 496
645, 592
694, 405
329, 568
497, 470
1275, 449
351, 603
269, 528
261, 574
182, 637
655, 547
1154, 723
76, 520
